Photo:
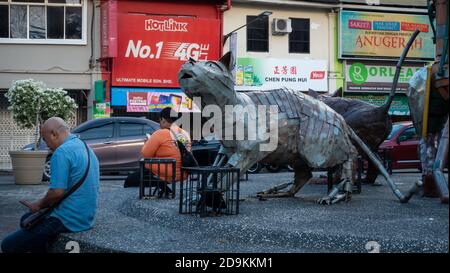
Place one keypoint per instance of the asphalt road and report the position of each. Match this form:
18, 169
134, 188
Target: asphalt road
373, 219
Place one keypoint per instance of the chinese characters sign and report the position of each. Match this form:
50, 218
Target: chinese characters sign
252, 73
151, 49
377, 76
370, 34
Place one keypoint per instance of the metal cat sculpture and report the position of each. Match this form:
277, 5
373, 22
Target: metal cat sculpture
371, 123
310, 134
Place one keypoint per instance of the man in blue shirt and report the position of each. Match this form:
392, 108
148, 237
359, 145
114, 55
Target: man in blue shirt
76, 213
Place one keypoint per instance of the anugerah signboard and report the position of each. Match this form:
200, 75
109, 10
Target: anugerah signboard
151, 49
384, 35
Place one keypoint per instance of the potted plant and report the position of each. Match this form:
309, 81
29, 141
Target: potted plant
32, 103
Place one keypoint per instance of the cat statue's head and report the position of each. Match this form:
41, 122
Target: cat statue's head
210, 80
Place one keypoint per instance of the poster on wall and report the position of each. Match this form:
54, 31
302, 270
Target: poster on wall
269, 73
138, 101
384, 35
151, 49
102, 110
366, 76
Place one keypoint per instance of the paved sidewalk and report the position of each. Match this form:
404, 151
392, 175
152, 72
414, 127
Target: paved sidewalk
124, 223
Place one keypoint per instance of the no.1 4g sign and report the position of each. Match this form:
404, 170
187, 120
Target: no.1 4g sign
151, 49
172, 50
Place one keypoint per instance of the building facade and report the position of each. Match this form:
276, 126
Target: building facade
53, 41
292, 47
325, 45
144, 43
371, 39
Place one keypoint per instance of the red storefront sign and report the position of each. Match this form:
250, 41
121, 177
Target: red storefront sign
151, 49
108, 29
317, 75
405, 26
360, 24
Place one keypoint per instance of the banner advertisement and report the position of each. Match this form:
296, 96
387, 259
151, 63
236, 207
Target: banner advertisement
260, 74
102, 110
156, 101
399, 106
377, 76
108, 28
151, 49
378, 35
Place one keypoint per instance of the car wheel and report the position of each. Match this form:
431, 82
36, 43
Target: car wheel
256, 168
46, 175
273, 168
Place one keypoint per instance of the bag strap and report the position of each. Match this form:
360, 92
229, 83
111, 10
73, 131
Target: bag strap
177, 141
79, 183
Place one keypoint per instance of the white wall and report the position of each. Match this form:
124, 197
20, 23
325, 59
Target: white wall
279, 45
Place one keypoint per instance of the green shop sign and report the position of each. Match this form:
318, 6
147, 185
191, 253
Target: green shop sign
377, 76
102, 110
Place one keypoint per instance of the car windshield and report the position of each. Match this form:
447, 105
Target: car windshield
395, 129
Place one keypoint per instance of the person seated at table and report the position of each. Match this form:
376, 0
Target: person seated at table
162, 144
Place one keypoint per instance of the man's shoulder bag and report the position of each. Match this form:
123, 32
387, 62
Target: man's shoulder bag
37, 217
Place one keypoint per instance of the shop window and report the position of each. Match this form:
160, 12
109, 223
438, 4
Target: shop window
258, 34
299, 41
43, 21
4, 15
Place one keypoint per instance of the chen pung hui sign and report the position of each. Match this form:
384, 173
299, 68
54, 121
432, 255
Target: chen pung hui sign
151, 49
254, 74
384, 35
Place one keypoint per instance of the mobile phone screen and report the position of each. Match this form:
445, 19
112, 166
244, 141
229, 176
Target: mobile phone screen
154, 99
164, 99
176, 102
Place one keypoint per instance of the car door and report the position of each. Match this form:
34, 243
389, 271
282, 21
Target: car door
130, 139
101, 139
406, 150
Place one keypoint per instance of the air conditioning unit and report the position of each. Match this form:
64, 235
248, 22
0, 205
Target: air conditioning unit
281, 26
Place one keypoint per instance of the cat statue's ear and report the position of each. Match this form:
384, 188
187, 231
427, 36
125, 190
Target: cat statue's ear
227, 60
313, 93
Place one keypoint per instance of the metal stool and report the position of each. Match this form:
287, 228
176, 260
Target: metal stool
157, 186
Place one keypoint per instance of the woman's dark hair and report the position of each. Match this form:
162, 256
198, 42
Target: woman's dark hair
166, 114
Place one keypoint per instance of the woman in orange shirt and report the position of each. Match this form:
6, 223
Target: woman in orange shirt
162, 144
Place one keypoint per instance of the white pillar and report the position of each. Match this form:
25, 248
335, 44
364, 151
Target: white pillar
332, 31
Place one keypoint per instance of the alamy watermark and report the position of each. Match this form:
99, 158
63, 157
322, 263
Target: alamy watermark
73, 247
373, 247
